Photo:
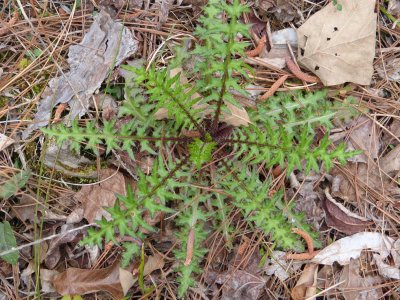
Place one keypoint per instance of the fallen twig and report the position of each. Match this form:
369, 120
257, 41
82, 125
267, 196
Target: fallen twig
307, 255
256, 51
274, 88
299, 73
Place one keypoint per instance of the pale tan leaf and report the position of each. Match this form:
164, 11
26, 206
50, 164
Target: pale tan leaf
236, 117
350, 248
306, 286
339, 45
391, 162
154, 262
5, 141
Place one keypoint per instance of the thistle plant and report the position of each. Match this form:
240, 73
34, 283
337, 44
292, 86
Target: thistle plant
217, 164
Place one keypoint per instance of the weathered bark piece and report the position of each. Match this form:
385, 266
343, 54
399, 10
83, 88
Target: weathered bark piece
105, 45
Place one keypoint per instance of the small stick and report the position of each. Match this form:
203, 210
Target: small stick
306, 237
277, 84
189, 248
301, 256
256, 51
307, 255
299, 73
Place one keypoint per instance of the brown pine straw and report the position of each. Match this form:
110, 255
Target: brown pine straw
189, 248
307, 255
256, 51
299, 73
277, 84
7, 25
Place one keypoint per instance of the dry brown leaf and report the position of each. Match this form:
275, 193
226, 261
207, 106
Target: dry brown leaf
112, 279
46, 279
236, 117
391, 270
340, 218
356, 287
154, 262
163, 12
391, 162
95, 197
53, 254
67, 161
361, 135
306, 286
365, 176
339, 46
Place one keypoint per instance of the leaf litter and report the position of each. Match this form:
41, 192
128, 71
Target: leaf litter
339, 45
368, 172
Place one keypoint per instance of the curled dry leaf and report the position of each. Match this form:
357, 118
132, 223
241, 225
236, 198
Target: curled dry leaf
386, 270
306, 286
46, 279
339, 46
153, 263
112, 279
340, 218
350, 247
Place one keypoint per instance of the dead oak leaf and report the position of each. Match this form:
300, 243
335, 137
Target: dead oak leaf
95, 197
112, 279
339, 45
